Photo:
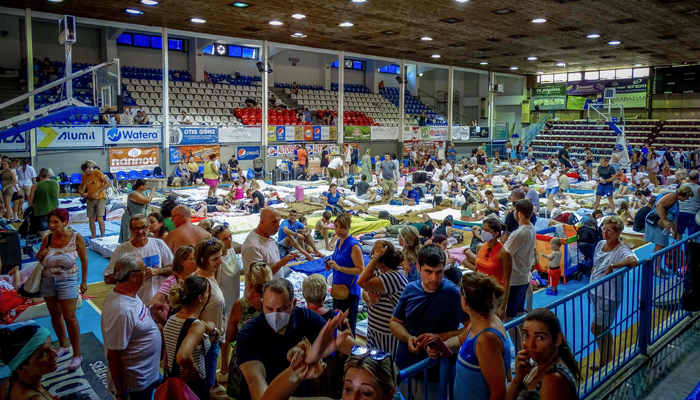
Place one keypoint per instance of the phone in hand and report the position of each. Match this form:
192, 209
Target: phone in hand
436, 342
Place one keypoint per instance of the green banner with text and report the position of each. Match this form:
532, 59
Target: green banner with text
575, 103
555, 90
354, 133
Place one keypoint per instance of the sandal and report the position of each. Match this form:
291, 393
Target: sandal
222, 378
75, 363
62, 351
218, 393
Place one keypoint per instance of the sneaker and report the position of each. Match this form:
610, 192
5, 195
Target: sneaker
552, 292
75, 363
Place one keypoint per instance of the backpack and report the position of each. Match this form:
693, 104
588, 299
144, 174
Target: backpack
458, 235
563, 217
314, 178
157, 171
62, 177
572, 220
258, 164
385, 215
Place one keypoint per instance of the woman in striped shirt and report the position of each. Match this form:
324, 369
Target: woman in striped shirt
383, 281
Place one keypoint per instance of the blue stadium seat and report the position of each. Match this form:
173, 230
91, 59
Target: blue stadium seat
134, 175
76, 179
146, 174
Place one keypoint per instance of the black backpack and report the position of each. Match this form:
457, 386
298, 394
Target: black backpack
385, 215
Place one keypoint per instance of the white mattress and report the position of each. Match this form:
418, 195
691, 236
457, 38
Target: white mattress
442, 214
400, 210
105, 246
40, 310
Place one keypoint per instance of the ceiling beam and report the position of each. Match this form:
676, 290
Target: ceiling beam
114, 33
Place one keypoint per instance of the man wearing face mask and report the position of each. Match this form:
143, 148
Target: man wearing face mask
264, 342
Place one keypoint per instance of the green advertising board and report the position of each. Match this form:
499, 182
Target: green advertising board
554, 90
548, 103
631, 100
575, 103
355, 133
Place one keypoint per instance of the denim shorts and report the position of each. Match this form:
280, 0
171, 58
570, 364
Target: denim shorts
65, 288
604, 189
551, 192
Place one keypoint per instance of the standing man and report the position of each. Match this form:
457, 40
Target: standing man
232, 168
301, 156
606, 175
132, 341
260, 246
519, 150
93, 187
452, 153
563, 156
335, 170
44, 198
185, 232
389, 173
689, 208
533, 196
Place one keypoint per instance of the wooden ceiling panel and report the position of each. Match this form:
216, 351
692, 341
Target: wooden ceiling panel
670, 30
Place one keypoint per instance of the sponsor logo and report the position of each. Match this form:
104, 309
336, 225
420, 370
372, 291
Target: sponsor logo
280, 131
199, 131
115, 135
317, 131
247, 153
18, 138
134, 152
80, 136
272, 151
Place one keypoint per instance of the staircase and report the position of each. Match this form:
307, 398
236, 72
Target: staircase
291, 103
10, 88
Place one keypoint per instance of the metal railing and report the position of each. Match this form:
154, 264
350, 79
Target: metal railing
611, 321
442, 108
536, 129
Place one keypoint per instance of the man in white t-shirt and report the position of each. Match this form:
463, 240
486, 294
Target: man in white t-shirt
184, 119
154, 253
551, 185
447, 171
520, 248
335, 170
132, 341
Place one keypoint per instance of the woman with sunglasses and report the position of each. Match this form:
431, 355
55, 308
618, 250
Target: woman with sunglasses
184, 265
28, 353
489, 259
484, 350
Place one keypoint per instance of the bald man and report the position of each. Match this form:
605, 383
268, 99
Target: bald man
259, 245
185, 232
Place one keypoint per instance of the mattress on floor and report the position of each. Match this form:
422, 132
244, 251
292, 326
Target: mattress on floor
400, 210
112, 228
105, 246
40, 310
357, 225
442, 214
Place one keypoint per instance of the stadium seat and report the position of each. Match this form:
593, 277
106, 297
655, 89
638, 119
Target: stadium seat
146, 174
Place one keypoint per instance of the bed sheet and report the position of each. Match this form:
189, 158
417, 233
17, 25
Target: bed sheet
400, 210
358, 225
111, 229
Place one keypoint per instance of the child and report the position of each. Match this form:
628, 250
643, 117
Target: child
554, 271
666, 172
237, 192
531, 154
323, 227
410, 195
624, 213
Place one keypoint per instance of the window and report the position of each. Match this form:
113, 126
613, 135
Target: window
560, 77
539, 79
610, 74
574, 76
148, 41
156, 42
357, 65
175, 44
335, 64
248, 52
235, 51
591, 75
640, 72
350, 64
142, 41
390, 69
124, 38
623, 73
547, 78
208, 50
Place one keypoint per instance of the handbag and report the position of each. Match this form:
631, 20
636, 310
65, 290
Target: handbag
340, 291
32, 287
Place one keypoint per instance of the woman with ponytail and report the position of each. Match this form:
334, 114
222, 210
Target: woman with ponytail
545, 368
186, 342
409, 239
484, 351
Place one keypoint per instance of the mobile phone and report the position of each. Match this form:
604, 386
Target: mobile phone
444, 350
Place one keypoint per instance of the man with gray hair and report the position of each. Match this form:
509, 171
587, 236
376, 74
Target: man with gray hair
154, 253
132, 341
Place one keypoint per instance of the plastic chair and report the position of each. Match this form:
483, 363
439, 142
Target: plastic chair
146, 174
76, 179
134, 175
121, 176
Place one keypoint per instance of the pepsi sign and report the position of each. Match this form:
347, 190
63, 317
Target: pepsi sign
248, 153
316, 133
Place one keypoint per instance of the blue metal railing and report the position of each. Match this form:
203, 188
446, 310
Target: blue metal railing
536, 129
610, 321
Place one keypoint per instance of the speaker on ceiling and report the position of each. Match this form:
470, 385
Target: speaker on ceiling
399, 79
261, 67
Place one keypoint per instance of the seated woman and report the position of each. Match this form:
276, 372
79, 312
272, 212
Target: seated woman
454, 189
332, 200
492, 204
445, 228
489, 259
184, 172
156, 226
28, 352
469, 210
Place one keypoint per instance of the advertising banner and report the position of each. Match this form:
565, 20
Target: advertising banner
631, 100
308, 133
554, 90
248, 153
333, 133
298, 133
354, 133
438, 133
288, 133
16, 142
548, 103
384, 132
479, 132
456, 132
135, 134
424, 133
70, 137
132, 158
198, 135
326, 133
199, 153
275, 133
240, 134
316, 133
633, 85
281, 150
590, 87
575, 103
410, 133
465, 134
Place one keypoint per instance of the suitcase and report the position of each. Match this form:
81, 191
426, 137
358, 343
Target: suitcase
420, 177
10, 251
299, 193
297, 173
285, 176
276, 175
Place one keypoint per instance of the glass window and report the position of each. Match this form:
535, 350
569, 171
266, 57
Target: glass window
560, 77
348, 64
234, 51
156, 42
357, 65
547, 78
209, 49
623, 73
574, 76
175, 44
609, 74
640, 72
539, 78
142, 40
591, 75
124, 38
335, 64
248, 53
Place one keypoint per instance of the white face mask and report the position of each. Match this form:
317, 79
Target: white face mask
277, 320
486, 236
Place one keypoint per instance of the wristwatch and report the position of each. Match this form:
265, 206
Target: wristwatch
213, 332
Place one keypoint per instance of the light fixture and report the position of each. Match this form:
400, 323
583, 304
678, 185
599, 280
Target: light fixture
539, 20
540, 72
346, 24
298, 35
359, 1
198, 20
420, 74
298, 16
276, 23
149, 2
435, 56
593, 36
513, 68
426, 38
483, 63
240, 5
461, 1
532, 58
614, 42
638, 64
56, 1
134, 11
561, 64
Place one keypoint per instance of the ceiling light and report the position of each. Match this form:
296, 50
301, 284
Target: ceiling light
513, 68
638, 64
539, 20
614, 42
461, 1
299, 35
483, 63
346, 24
540, 72
561, 64
421, 74
56, 1
134, 11
276, 23
593, 36
426, 38
298, 16
149, 2
359, 1
532, 58
435, 56
198, 20
240, 5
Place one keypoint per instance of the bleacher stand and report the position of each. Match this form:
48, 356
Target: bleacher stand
413, 107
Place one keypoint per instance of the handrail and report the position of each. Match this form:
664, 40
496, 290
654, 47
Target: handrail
418, 367
57, 82
536, 129
461, 117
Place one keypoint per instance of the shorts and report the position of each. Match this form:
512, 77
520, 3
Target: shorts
388, 186
283, 249
654, 234
393, 230
687, 221
516, 300
96, 207
566, 163
589, 163
66, 288
8, 191
25, 190
17, 195
365, 196
212, 183
604, 189
551, 192
605, 310
553, 276
334, 173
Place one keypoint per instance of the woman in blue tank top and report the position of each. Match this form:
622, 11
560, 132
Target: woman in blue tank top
484, 350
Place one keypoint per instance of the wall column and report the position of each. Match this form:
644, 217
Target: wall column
265, 77
108, 37
402, 105
166, 101
31, 134
341, 93
450, 102
492, 81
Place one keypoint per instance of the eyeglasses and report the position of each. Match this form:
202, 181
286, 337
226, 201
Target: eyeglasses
608, 230
139, 228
